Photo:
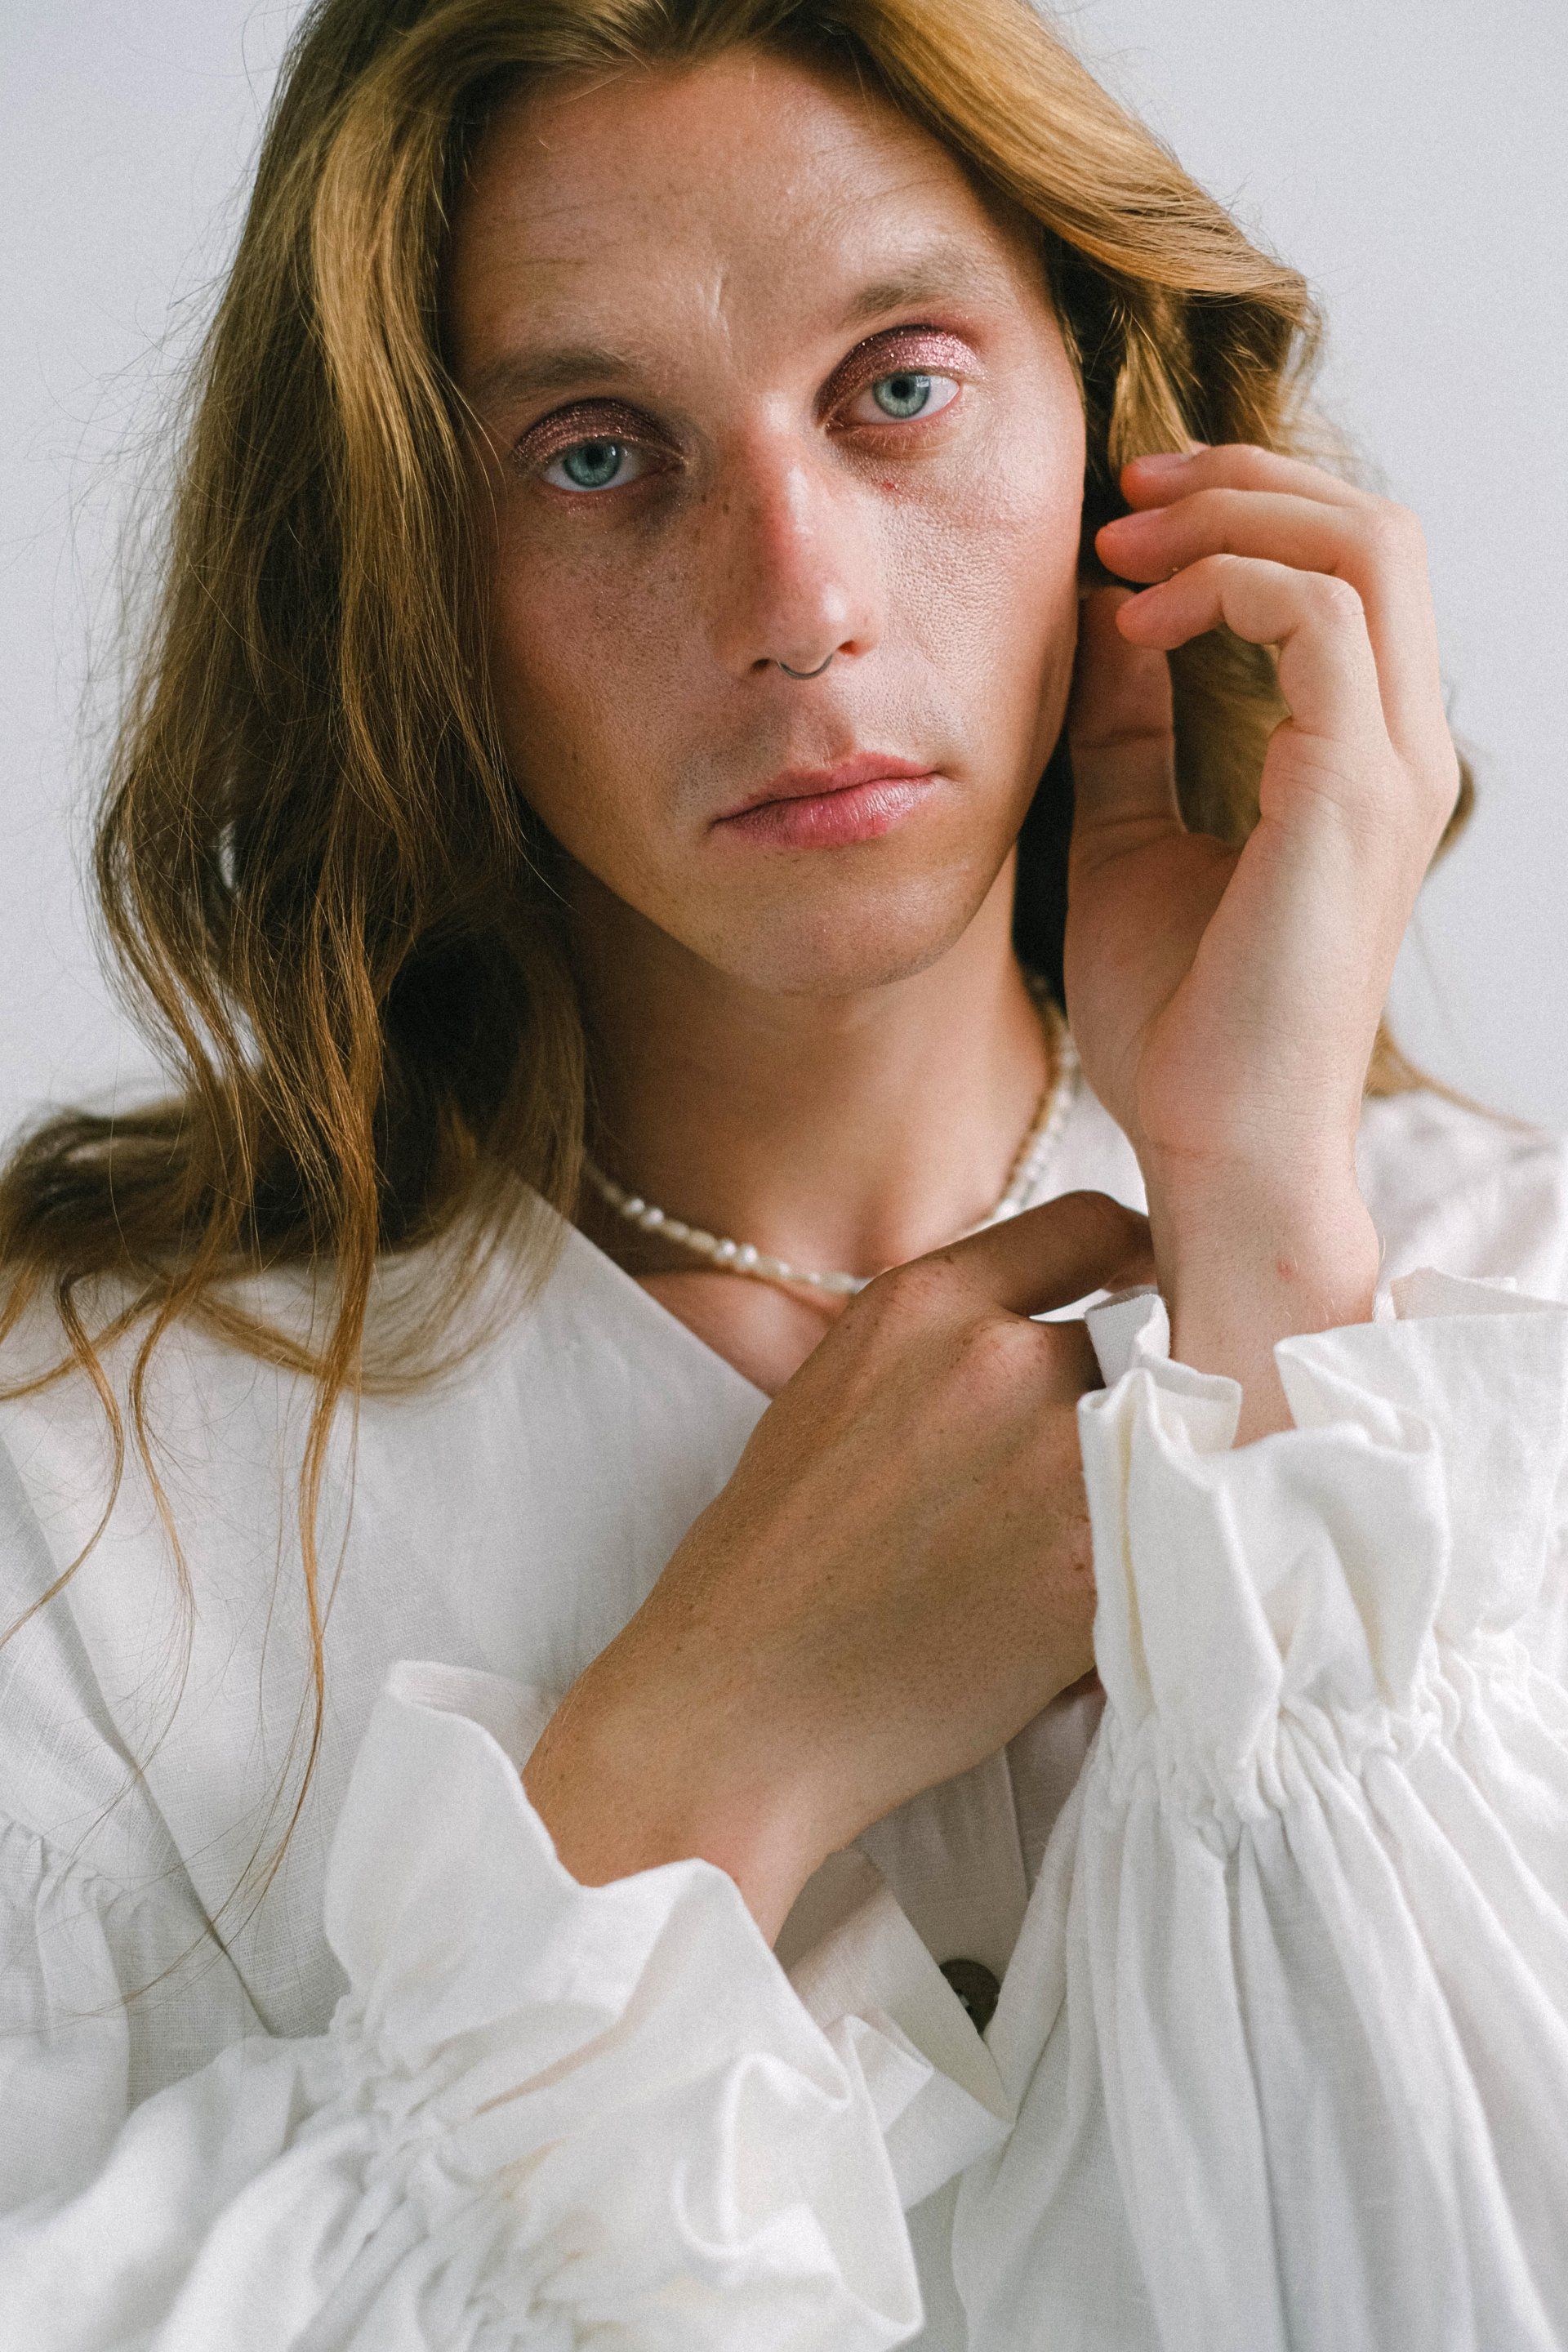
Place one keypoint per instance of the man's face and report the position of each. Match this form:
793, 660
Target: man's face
833, 414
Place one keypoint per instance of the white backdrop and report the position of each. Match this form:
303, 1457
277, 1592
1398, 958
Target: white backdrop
1407, 154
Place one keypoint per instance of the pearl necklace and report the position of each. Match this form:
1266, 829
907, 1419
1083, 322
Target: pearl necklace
744, 1257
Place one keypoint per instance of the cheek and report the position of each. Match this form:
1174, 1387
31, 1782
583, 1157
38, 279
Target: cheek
584, 670
983, 572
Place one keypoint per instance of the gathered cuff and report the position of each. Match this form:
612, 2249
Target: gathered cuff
543, 2112
912, 2061
623, 2075
1302, 1597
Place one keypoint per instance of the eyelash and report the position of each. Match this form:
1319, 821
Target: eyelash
563, 432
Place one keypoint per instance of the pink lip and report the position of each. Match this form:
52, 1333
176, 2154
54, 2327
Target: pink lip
822, 808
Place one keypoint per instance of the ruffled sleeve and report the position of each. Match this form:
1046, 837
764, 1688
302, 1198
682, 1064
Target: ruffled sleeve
544, 2114
1288, 2023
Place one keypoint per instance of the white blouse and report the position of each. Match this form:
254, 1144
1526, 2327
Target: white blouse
1280, 2056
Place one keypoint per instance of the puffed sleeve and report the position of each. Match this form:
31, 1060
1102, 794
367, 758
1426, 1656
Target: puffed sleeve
544, 2114
1288, 2023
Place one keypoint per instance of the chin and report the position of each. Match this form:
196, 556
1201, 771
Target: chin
861, 939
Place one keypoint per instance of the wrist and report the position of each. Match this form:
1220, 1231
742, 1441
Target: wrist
1248, 1263
626, 1778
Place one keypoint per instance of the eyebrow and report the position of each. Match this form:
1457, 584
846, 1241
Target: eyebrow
941, 273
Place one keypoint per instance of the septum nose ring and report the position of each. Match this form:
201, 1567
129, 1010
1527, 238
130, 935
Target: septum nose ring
806, 673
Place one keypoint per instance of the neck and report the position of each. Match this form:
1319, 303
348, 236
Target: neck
854, 1130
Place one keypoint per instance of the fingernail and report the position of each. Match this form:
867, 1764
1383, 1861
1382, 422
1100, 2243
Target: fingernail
1165, 461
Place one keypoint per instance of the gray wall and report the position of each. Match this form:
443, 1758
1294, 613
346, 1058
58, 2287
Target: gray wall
1407, 154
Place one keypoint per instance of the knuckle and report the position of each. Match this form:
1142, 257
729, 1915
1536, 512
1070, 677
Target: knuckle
1337, 600
1445, 781
1104, 1220
1251, 466
993, 1351
1394, 531
907, 1292
1248, 460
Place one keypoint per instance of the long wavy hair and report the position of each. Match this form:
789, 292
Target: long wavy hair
326, 902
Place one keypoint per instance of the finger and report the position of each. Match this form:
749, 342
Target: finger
1236, 465
1376, 546
1121, 726
1327, 671
1045, 1257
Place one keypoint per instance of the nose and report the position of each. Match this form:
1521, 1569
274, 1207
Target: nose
794, 566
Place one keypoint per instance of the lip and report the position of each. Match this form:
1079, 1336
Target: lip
854, 799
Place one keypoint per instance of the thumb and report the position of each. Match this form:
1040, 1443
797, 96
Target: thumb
1120, 726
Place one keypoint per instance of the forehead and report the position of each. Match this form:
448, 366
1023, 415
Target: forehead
715, 195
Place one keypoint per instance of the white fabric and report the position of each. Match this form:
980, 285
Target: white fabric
1282, 2048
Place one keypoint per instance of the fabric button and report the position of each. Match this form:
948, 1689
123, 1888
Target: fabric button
976, 1988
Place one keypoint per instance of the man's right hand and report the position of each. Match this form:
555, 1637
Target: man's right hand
896, 1579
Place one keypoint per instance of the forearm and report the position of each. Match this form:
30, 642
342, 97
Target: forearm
1243, 1263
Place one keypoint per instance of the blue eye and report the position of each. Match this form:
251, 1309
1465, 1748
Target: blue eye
907, 393
591, 465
